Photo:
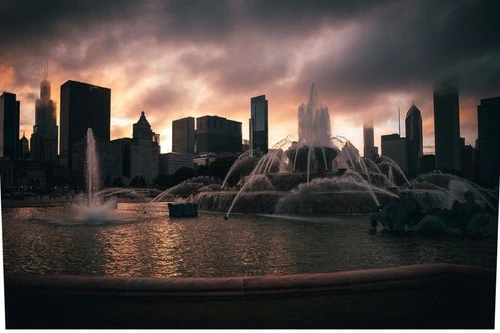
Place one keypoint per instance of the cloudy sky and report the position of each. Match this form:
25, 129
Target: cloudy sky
174, 59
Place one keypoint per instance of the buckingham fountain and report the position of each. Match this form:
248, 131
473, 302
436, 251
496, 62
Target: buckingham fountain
303, 257
321, 174
317, 175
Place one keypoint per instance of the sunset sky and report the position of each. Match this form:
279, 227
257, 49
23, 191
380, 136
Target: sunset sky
174, 59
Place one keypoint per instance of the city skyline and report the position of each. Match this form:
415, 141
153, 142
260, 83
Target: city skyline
365, 60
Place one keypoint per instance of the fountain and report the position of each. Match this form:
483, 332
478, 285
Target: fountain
313, 151
99, 207
93, 211
319, 174
307, 176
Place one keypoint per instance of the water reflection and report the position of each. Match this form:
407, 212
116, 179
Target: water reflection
210, 246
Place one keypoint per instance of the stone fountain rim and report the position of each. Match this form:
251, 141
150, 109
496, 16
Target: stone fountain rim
343, 281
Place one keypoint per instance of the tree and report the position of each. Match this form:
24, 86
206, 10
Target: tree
162, 180
217, 168
118, 182
107, 181
138, 181
203, 170
181, 175
221, 166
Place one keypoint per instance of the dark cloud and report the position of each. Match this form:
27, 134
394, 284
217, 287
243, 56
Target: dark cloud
239, 69
414, 44
361, 54
34, 24
38, 22
216, 22
398, 44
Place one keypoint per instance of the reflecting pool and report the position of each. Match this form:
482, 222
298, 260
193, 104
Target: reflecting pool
148, 243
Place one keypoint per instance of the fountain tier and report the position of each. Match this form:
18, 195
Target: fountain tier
311, 159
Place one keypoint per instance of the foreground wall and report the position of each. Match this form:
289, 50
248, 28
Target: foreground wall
417, 296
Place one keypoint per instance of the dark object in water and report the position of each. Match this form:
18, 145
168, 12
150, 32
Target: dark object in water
183, 209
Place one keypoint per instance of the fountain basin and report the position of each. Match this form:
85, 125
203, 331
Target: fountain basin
416, 296
249, 202
288, 181
315, 203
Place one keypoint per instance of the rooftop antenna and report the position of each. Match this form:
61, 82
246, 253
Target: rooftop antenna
46, 72
399, 122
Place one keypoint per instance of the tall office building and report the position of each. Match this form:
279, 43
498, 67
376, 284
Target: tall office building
467, 161
259, 124
369, 140
24, 148
144, 150
183, 135
447, 126
9, 126
394, 147
414, 139
488, 143
44, 137
140, 154
217, 135
83, 106
426, 163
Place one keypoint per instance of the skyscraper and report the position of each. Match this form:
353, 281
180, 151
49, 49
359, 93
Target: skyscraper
414, 140
217, 135
369, 140
44, 137
259, 123
24, 148
144, 150
183, 135
488, 143
83, 106
447, 126
9, 125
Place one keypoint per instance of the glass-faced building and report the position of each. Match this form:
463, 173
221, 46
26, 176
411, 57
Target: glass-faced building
258, 126
414, 139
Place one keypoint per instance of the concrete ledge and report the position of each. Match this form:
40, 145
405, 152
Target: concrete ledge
370, 279
417, 296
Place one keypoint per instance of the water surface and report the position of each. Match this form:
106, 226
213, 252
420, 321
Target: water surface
43, 240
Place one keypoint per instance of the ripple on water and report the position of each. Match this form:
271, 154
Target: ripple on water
153, 245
